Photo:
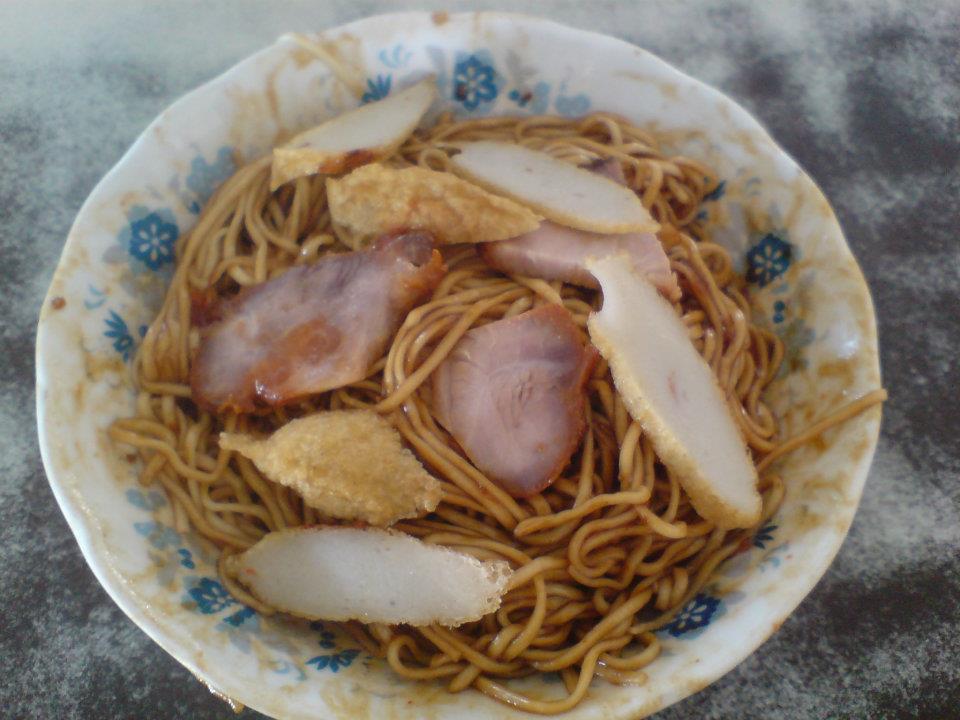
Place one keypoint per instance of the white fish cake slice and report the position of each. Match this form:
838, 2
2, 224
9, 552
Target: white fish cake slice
561, 192
370, 575
670, 390
365, 134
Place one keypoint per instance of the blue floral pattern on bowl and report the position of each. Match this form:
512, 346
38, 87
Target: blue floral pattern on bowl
205, 177
519, 98
210, 596
717, 193
377, 89
779, 311
158, 535
330, 661
768, 259
334, 661
764, 535
396, 57
119, 335
151, 240
148, 501
240, 617
97, 298
571, 105
694, 616
324, 636
146, 242
474, 82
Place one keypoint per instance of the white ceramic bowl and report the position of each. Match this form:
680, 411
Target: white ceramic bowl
805, 285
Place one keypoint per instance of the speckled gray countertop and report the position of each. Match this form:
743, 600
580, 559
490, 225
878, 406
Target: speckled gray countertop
865, 95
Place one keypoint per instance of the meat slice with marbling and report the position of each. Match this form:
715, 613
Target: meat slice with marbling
555, 252
313, 328
512, 394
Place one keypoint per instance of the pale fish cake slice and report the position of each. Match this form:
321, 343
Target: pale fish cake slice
670, 390
365, 134
370, 575
560, 191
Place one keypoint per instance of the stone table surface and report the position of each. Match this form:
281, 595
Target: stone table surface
865, 95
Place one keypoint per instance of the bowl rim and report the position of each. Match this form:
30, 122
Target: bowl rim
82, 524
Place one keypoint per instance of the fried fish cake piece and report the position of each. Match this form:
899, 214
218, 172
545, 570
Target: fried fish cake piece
348, 464
375, 199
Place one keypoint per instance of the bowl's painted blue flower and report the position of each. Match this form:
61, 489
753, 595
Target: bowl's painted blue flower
158, 534
541, 98
145, 500
520, 98
205, 178
768, 259
285, 667
334, 661
695, 614
535, 99
210, 596
152, 239
97, 298
118, 332
396, 58
764, 535
240, 616
717, 192
325, 636
377, 89
779, 310
474, 82
572, 105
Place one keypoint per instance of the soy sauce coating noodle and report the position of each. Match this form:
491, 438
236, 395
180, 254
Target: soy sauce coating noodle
604, 556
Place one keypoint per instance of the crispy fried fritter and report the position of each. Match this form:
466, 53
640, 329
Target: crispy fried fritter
348, 464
